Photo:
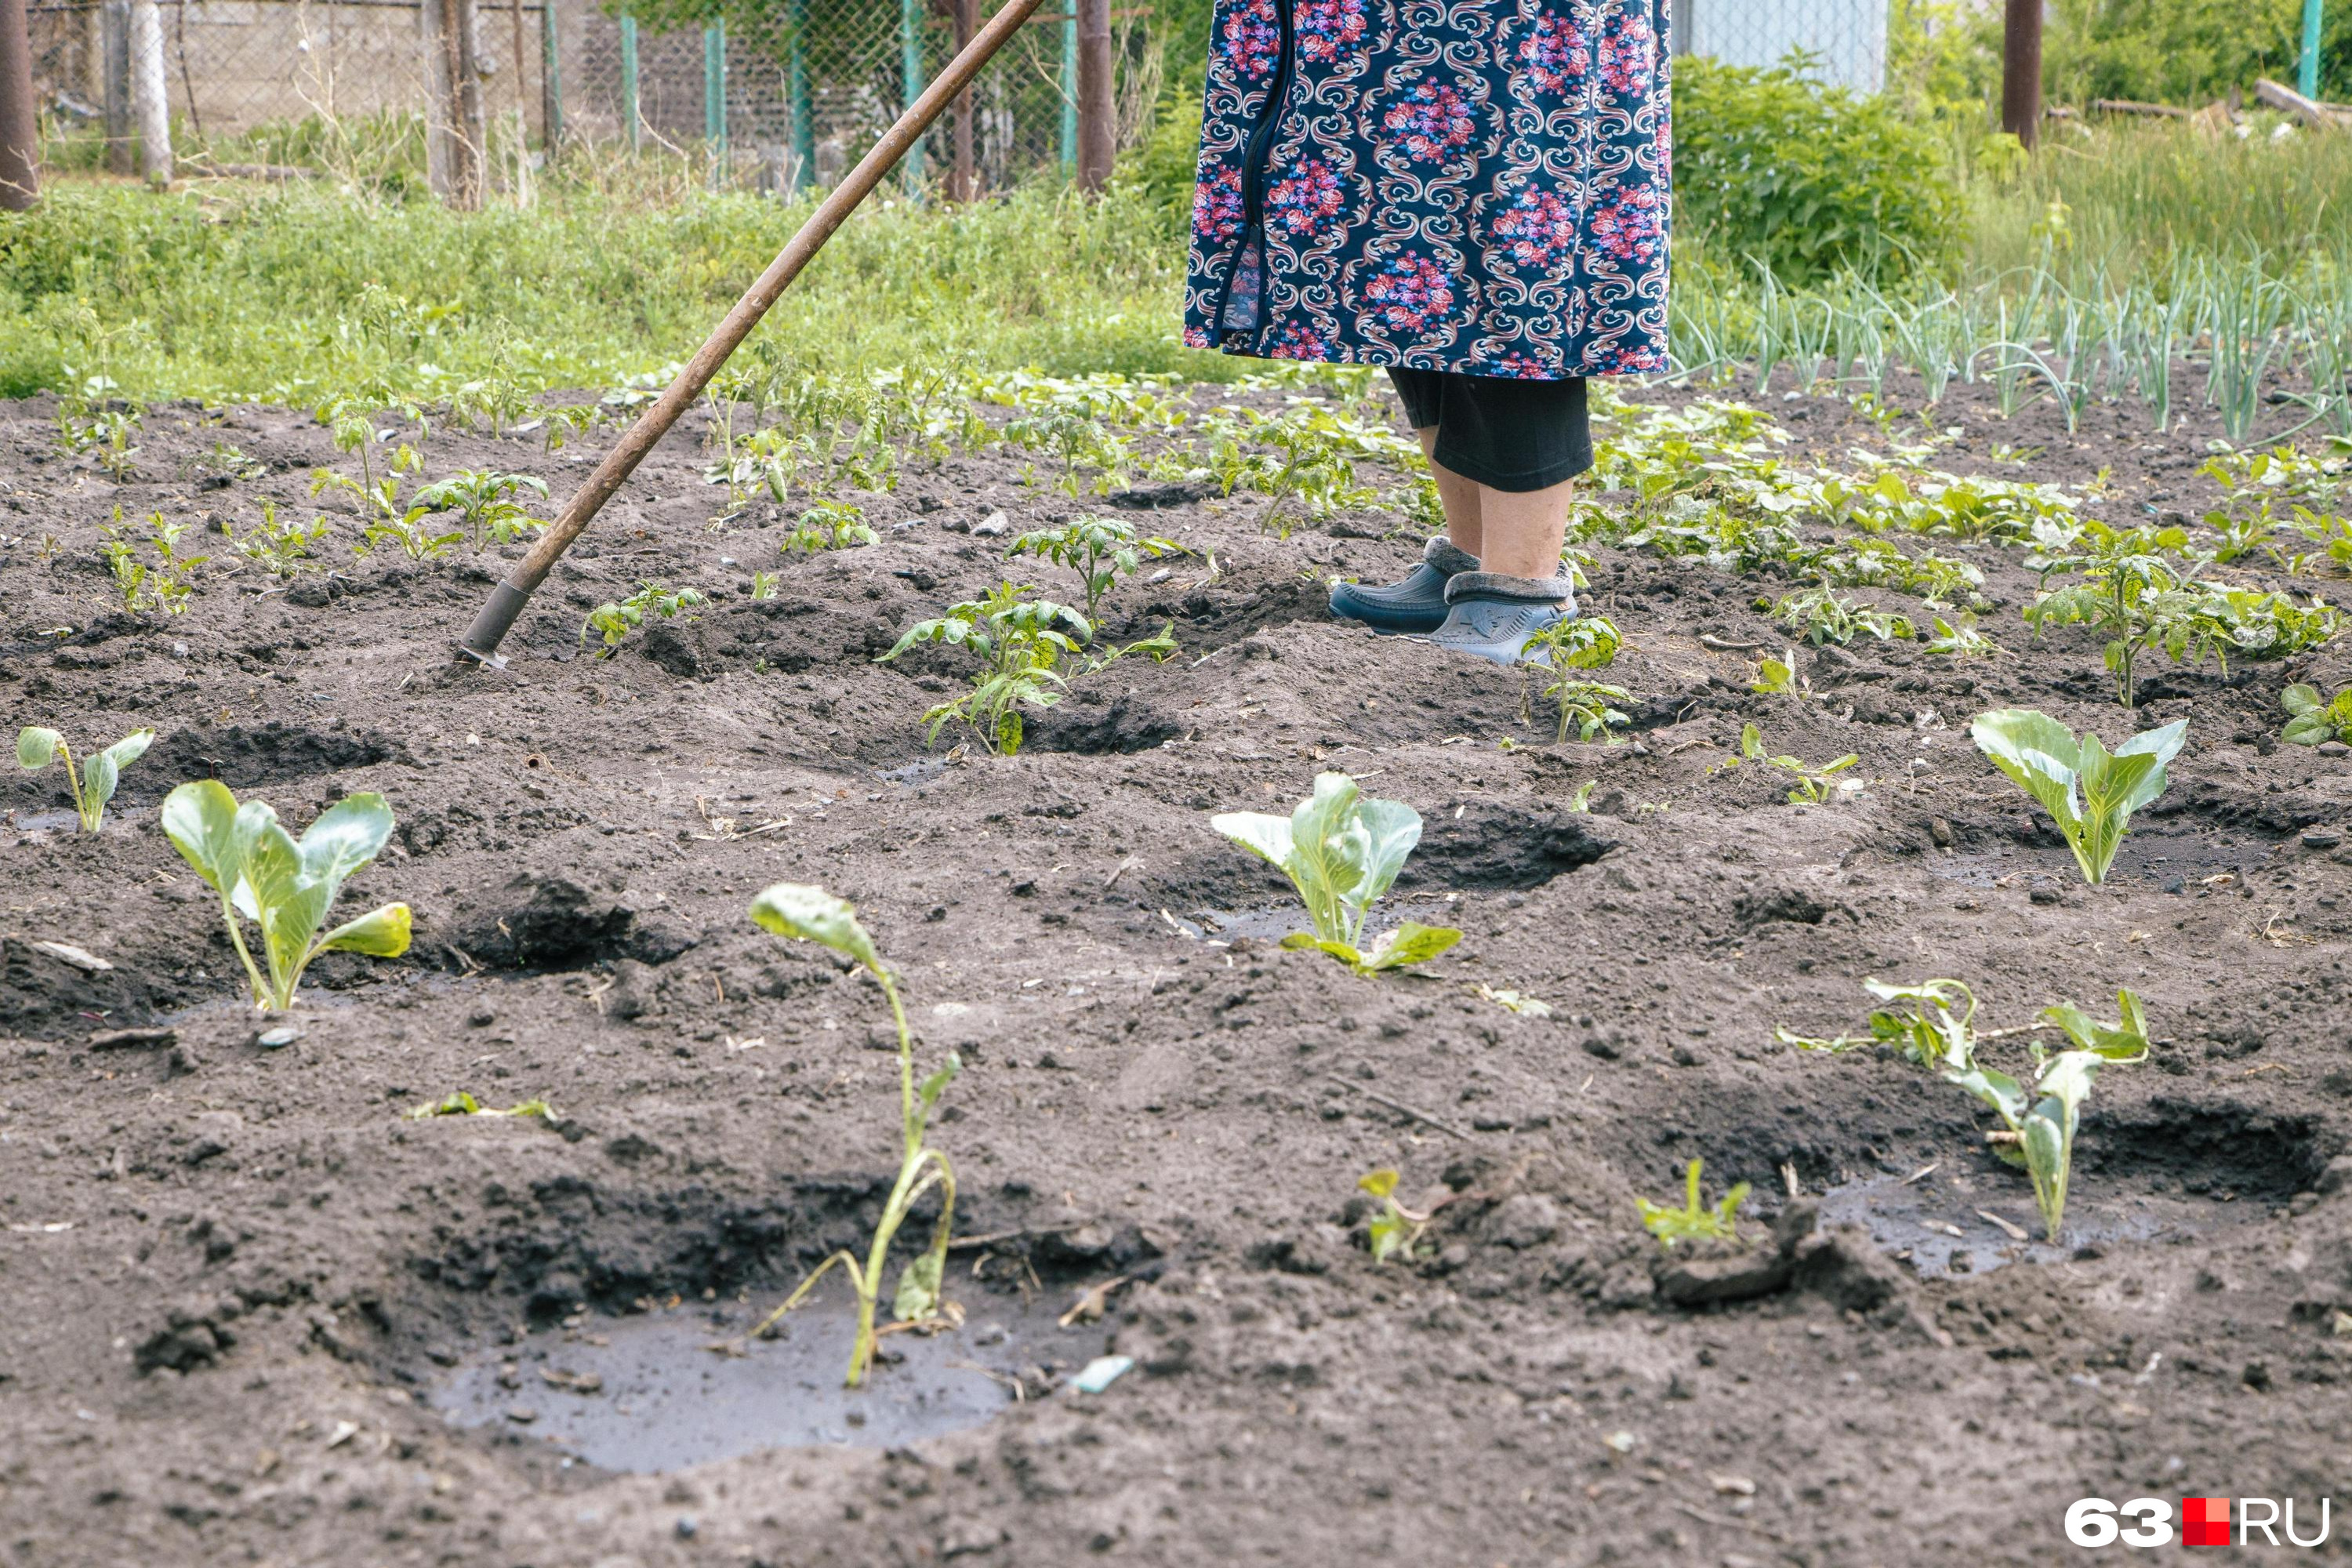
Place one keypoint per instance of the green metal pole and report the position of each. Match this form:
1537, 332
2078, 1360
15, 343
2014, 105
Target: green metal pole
629, 111
2307, 70
714, 97
804, 119
910, 71
1070, 91
551, 80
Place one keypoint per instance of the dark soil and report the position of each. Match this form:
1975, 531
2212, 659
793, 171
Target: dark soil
240, 1282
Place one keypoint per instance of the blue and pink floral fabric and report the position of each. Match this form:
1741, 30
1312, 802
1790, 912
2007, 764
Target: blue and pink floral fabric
1477, 185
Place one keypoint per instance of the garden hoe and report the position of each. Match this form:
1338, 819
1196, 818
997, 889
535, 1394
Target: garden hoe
507, 600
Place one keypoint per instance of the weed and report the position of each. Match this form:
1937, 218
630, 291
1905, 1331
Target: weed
812, 914
93, 786
484, 502
1342, 850
2312, 719
281, 549
1022, 645
1396, 1231
1814, 787
613, 620
167, 583
828, 525
2090, 791
1695, 1221
284, 886
1101, 550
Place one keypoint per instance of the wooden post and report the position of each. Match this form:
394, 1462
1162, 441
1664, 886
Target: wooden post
115, 23
1098, 103
20, 129
453, 124
2021, 86
964, 181
150, 102
473, 112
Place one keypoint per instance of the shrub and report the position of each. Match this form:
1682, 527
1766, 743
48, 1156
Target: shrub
1807, 179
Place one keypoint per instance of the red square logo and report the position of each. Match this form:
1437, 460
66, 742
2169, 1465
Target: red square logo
2205, 1521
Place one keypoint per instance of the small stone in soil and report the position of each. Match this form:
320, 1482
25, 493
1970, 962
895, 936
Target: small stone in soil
2322, 838
278, 1038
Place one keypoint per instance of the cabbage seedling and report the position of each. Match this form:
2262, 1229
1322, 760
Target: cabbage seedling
1814, 787
283, 885
2313, 719
812, 914
93, 786
1695, 1221
2090, 791
1341, 850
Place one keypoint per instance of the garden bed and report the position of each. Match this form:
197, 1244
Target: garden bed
246, 1287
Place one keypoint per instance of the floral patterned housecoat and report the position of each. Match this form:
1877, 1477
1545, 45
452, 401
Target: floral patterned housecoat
1477, 185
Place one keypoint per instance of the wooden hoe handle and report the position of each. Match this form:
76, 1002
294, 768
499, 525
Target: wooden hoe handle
506, 601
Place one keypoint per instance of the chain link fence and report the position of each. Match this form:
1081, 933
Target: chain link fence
782, 103
1846, 38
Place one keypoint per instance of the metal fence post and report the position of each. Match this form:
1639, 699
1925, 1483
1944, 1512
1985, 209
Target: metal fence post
803, 126
629, 109
1069, 85
714, 97
115, 24
2306, 74
911, 73
551, 79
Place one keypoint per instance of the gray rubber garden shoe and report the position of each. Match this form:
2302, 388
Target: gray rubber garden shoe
1417, 603
1491, 616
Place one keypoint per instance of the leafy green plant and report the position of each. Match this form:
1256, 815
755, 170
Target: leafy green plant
811, 914
1101, 550
108, 433
613, 620
1695, 1221
1022, 645
407, 533
168, 583
1079, 443
285, 886
1395, 1230
1777, 676
1814, 787
1591, 642
1342, 850
1822, 614
280, 549
2090, 791
485, 501
828, 525
1960, 639
464, 1104
93, 786
764, 585
2313, 719
2039, 1122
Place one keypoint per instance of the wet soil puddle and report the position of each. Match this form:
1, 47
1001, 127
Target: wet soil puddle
2172, 857
1940, 1232
648, 1394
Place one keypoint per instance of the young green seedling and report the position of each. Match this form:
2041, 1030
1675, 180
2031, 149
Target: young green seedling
829, 525
281, 549
1396, 1230
812, 914
1814, 787
1342, 850
485, 502
168, 583
1589, 642
1022, 645
2090, 791
2039, 1122
1101, 550
2314, 720
1695, 1221
614, 620
283, 885
93, 786
464, 1104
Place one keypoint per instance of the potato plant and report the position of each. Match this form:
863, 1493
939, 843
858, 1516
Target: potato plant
285, 886
828, 525
804, 913
93, 786
2089, 791
1342, 850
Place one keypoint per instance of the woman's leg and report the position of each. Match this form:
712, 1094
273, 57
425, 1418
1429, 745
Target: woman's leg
1462, 499
1522, 531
